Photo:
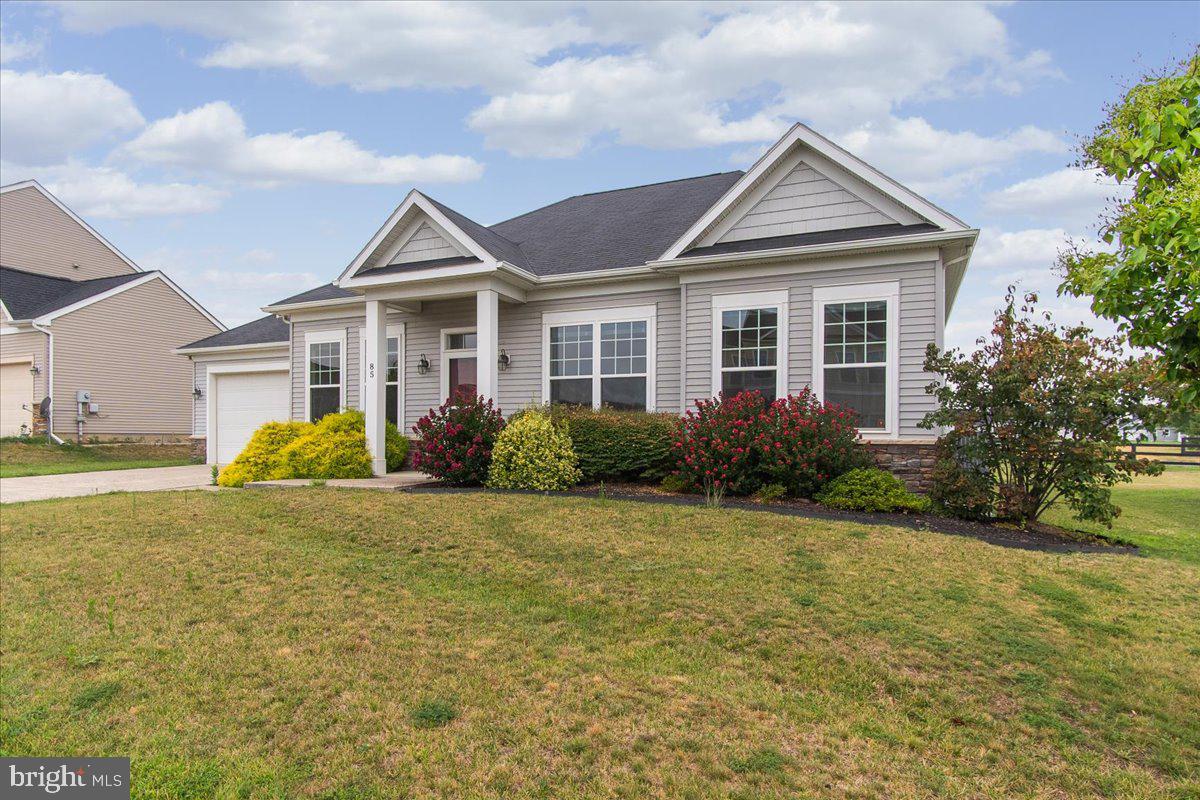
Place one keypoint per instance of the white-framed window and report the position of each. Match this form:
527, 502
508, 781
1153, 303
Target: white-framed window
749, 343
394, 377
856, 359
324, 373
604, 357
460, 361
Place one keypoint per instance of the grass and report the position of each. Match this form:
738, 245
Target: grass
319, 643
1161, 515
21, 457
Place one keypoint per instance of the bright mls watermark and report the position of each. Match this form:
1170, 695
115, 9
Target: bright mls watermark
82, 778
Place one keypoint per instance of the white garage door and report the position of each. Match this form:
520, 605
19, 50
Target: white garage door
16, 398
245, 400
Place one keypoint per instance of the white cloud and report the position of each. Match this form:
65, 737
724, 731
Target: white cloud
213, 139
561, 77
18, 48
1011, 251
944, 162
109, 193
1070, 197
258, 255
49, 116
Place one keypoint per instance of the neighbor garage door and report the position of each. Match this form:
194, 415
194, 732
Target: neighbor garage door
16, 398
244, 401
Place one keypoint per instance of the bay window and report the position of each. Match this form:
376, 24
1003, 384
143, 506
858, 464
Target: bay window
855, 359
750, 343
600, 358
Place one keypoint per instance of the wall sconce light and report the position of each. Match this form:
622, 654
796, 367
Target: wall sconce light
422, 365
34, 369
503, 361
197, 392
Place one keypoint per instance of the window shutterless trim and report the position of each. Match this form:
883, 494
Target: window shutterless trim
596, 318
317, 337
743, 301
395, 331
888, 291
447, 354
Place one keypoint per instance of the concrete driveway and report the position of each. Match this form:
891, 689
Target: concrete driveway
79, 484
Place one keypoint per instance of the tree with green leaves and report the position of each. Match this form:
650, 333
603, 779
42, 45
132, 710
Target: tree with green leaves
1150, 281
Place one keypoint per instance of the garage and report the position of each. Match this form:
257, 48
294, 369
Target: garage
16, 398
241, 402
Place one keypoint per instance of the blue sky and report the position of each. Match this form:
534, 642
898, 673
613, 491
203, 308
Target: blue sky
251, 149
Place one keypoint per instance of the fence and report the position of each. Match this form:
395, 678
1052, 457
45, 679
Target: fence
1185, 453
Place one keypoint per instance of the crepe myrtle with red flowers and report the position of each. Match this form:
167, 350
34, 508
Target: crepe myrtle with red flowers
738, 444
454, 442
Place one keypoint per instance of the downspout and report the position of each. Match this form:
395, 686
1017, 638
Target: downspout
683, 312
49, 380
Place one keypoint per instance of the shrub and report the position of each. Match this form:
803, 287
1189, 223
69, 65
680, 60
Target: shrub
871, 489
336, 447
258, 460
455, 441
395, 448
769, 492
1036, 414
741, 443
619, 445
960, 488
532, 453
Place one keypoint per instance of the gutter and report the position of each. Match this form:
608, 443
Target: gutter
49, 380
230, 348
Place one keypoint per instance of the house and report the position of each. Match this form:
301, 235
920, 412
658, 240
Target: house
86, 335
812, 268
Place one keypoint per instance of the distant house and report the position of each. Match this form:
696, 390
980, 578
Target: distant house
810, 269
86, 335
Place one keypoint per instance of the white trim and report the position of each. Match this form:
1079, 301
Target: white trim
33, 184
390, 254
597, 317
395, 330
146, 277
736, 301
210, 390
787, 269
888, 291
419, 201
646, 281
445, 355
229, 348
802, 134
315, 337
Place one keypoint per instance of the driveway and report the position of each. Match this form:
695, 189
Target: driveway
78, 484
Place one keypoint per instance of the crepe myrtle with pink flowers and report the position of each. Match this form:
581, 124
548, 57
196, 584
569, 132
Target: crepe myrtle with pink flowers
454, 442
741, 443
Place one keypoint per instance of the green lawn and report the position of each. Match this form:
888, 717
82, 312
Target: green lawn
1160, 514
20, 457
339, 644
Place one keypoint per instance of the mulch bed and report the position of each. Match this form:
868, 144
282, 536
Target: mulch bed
1039, 537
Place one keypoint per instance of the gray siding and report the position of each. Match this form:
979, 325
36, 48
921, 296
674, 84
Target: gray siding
38, 236
803, 202
916, 325
426, 244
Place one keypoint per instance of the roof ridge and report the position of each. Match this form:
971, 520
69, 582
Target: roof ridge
618, 189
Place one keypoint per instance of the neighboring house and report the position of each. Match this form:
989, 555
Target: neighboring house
810, 269
78, 316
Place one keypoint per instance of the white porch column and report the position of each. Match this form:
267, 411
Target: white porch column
487, 332
375, 385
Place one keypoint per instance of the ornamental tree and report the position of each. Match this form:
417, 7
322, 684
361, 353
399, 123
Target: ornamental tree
1150, 282
1037, 414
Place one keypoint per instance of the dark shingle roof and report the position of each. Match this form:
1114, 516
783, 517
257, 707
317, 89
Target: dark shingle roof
487, 238
618, 228
28, 295
326, 292
267, 330
818, 237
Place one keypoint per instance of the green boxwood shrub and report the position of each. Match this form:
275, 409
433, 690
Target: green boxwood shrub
533, 453
259, 459
870, 489
619, 445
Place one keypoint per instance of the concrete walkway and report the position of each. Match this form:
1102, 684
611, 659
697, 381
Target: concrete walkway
79, 484
392, 482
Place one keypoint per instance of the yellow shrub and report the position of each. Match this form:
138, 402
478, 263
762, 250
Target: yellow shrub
532, 453
334, 448
258, 461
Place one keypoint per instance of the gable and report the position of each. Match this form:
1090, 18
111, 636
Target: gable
426, 244
38, 235
804, 201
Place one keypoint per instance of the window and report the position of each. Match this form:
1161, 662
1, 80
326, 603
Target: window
601, 358
459, 362
749, 346
324, 395
856, 351
394, 405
